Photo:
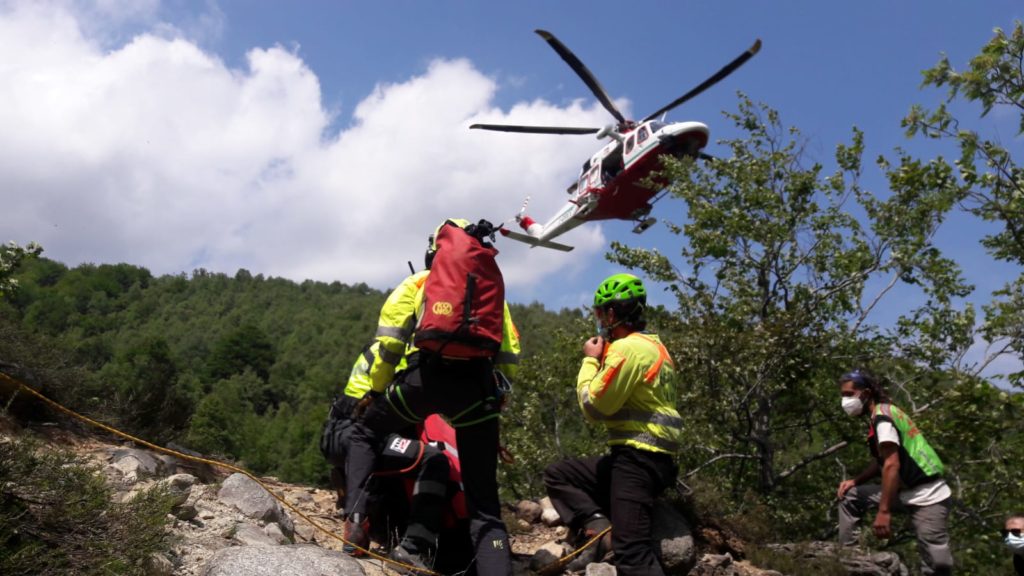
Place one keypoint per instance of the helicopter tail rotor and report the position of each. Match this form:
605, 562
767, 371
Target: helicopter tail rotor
518, 218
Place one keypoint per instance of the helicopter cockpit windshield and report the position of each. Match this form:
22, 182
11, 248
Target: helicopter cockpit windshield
656, 125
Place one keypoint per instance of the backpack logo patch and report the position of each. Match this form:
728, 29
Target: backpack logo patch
400, 445
442, 308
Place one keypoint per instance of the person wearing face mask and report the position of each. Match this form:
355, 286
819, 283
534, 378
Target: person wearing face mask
1014, 540
625, 382
911, 476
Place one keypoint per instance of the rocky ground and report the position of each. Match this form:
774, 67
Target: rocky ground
228, 525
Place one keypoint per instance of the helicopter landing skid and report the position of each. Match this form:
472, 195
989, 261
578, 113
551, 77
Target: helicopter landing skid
644, 224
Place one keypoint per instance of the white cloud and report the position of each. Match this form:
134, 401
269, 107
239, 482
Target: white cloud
155, 152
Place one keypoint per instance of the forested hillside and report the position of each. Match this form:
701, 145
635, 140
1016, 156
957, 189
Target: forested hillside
241, 366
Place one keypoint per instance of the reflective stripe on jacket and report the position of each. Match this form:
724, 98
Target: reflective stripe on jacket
633, 393
394, 330
398, 321
359, 379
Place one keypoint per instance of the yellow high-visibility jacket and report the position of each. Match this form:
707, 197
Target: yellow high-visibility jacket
632, 392
397, 323
359, 379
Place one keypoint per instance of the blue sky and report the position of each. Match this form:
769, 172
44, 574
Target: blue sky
351, 139
825, 66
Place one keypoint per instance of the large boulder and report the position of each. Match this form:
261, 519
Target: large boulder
292, 560
252, 500
856, 561
675, 539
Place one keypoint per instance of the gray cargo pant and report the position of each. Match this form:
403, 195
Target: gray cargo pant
929, 525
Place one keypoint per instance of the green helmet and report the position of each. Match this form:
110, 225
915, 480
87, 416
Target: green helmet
620, 288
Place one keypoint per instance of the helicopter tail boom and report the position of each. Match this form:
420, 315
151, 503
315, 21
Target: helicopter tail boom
532, 241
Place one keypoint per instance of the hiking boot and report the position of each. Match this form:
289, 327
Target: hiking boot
356, 533
411, 559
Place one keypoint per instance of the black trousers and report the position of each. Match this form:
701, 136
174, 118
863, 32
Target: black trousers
465, 391
622, 485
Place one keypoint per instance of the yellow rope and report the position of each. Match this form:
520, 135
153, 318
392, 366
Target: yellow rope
561, 562
217, 463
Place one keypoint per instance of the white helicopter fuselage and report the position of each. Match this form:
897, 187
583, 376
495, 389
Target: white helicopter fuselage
613, 182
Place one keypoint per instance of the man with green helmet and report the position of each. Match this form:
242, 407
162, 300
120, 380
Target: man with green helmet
911, 474
626, 382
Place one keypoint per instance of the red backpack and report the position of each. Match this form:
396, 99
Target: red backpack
464, 295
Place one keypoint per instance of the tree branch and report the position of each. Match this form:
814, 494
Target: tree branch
732, 456
813, 458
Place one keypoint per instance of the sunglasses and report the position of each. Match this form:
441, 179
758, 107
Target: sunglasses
1015, 532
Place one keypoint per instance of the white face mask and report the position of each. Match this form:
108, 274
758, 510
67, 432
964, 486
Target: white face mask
1015, 543
853, 405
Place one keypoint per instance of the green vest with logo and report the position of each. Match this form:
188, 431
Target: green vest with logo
919, 463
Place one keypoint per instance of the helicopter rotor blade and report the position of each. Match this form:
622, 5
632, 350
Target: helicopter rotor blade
535, 129
717, 77
586, 75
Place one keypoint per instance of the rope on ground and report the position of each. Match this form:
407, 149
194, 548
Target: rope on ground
559, 564
60, 408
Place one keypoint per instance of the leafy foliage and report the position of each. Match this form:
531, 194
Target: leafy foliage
991, 181
11, 256
56, 517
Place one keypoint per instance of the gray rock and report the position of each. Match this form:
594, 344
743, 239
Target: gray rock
857, 562
273, 531
134, 465
250, 535
714, 565
305, 532
600, 569
185, 512
528, 511
251, 499
179, 486
204, 471
294, 560
678, 553
546, 555
159, 565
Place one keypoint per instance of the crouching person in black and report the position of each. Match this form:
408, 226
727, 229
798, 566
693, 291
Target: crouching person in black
415, 490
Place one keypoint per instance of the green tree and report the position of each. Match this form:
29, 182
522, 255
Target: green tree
246, 348
991, 179
149, 393
11, 257
221, 417
783, 268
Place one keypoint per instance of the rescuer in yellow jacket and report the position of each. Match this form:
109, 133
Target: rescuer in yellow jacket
628, 385
398, 322
468, 391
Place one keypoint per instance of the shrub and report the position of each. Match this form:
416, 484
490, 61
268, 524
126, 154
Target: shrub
57, 517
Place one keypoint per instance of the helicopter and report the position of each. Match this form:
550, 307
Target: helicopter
614, 183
